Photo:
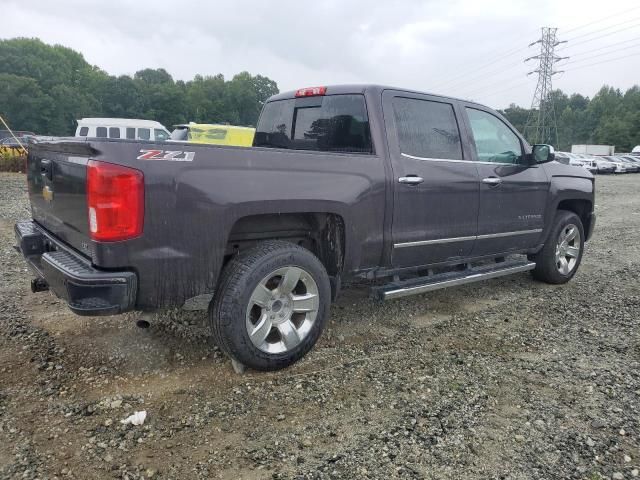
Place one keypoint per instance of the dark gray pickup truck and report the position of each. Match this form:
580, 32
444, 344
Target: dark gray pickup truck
406, 191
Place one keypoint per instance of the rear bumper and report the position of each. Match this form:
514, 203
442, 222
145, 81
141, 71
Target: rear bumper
71, 277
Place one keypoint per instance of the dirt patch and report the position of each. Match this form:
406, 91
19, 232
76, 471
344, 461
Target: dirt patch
505, 379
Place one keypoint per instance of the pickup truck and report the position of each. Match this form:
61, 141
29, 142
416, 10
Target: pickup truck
403, 191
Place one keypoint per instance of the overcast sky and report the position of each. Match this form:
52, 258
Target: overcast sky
465, 48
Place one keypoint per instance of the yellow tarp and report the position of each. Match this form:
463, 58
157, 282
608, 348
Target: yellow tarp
221, 134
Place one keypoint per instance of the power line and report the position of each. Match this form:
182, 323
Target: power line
492, 85
602, 48
473, 79
462, 79
600, 20
606, 61
599, 55
601, 36
603, 29
511, 86
482, 67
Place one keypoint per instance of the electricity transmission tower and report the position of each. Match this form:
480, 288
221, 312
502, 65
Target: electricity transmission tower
541, 123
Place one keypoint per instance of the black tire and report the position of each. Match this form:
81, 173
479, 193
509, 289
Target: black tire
228, 308
547, 269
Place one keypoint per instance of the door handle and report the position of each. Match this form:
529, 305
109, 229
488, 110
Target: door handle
411, 180
492, 181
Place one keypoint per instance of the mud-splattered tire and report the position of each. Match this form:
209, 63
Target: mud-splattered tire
271, 305
559, 259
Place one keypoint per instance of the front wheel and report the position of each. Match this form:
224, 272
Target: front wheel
560, 257
271, 305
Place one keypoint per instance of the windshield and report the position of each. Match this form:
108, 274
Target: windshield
160, 135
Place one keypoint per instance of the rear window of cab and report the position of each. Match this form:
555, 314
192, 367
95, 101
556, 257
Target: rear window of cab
332, 123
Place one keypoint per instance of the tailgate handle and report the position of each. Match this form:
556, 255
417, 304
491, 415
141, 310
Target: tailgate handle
46, 168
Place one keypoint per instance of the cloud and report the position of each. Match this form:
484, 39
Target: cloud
431, 45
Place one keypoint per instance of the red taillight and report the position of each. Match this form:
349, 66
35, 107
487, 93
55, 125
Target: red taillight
115, 199
311, 91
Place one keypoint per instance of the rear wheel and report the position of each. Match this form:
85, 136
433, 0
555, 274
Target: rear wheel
271, 305
560, 257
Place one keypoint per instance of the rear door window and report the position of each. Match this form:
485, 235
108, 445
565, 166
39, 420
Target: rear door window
427, 129
144, 134
333, 123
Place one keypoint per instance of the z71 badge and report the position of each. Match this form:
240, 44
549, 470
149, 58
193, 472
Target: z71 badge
167, 155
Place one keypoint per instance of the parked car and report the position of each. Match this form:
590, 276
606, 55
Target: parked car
577, 161
563, 157
127, 128
433, 193
632, 167
214, 134
620, 167
604, 166
633, 159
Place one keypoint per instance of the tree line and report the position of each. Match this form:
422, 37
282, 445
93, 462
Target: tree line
611, 117
45, 89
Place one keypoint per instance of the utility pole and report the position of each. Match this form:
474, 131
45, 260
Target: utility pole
541, 123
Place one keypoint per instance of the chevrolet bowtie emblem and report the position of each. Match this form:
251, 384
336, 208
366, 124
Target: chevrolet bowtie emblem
47, 193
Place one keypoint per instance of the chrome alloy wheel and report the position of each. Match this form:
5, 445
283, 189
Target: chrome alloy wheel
282, 310
568, 249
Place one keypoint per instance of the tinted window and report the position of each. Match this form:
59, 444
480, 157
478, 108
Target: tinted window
427, 129
160, 135
144, 134
83, 131
101, 132
334, 123
114, 132
131, 133
495, 142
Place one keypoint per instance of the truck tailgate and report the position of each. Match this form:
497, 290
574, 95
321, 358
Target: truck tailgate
57, 174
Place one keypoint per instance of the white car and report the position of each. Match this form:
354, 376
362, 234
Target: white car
621, 167
128, 128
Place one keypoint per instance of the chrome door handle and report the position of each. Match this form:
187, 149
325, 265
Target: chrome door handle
493, 181
411, 180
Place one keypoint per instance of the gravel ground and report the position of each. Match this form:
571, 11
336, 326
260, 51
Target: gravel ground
507, 379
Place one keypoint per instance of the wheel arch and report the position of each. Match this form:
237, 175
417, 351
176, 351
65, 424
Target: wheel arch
581, 207
323, 233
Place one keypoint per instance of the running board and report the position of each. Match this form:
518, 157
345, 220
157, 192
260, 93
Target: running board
449, 279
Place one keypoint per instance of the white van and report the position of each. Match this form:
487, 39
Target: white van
127, 128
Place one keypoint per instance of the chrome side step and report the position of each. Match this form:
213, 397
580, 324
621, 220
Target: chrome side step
429, 283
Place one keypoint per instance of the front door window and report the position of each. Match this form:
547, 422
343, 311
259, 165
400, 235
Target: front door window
495, 142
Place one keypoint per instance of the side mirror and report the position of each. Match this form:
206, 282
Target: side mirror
542, 153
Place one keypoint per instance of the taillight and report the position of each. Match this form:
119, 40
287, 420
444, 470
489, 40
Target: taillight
311, 91
115, 200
